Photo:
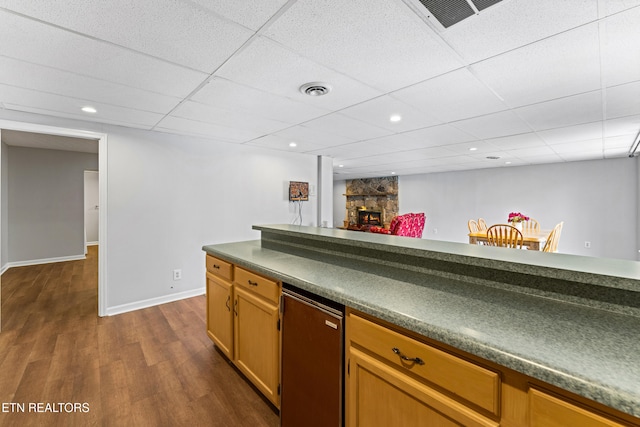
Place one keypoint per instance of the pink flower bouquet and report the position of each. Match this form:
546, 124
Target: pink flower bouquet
516, 217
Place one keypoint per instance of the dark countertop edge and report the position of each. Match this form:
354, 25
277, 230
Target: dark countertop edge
602, 393
574, 268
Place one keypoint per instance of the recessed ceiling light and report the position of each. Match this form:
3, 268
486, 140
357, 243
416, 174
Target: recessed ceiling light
89, 110
472, 149
507, 163
293, 144
393, 173
315, 89
395, 118
340, 166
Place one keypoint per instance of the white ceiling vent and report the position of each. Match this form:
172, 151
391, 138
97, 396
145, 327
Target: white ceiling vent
450, 12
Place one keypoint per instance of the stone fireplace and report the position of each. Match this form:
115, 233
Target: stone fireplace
378, 195
369, 218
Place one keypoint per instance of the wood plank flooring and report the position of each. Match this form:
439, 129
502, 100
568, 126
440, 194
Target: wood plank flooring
62, 365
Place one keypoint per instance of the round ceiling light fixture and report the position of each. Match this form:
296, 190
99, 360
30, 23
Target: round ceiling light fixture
315, 89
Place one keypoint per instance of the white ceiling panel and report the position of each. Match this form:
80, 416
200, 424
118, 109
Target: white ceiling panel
516, 23
591, 145
547, 69
302, 133
572, 110
361, 39
14, 98
378, 111
49, 80
621, 126
341, 125
452, 96
184, 126
177, 31
232, 119
494, 125
39, 43
440, 135
251, 14
512, 142
267, 66
623, 100
223, 93
621, 47
281, 143
622, 141
575, 133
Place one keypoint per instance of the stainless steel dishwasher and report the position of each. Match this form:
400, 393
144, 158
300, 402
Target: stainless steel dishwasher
312, 360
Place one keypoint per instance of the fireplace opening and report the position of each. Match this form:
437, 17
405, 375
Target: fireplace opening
369, 218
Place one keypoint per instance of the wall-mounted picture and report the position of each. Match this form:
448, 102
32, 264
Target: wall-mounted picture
298, 191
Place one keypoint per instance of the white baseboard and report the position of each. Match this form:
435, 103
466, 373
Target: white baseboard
124, 308
41, 261
92, 243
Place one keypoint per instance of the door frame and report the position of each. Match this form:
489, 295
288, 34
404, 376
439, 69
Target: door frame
102, 188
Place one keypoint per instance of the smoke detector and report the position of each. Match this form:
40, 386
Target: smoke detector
315, 89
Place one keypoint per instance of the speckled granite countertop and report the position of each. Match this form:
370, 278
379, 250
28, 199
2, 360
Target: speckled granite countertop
591, 350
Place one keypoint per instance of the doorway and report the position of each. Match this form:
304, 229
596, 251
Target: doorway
101, 138
91, 209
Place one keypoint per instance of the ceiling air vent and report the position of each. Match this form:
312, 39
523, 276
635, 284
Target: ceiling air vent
449, 12
315, 89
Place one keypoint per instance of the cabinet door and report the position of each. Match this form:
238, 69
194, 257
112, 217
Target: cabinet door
380, 395
257, 341
220, 314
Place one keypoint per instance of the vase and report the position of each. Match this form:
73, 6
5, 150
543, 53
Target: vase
517, 225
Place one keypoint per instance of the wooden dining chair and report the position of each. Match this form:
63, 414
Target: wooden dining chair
482, 224
551, 245
473, 226
531, 226
505, 236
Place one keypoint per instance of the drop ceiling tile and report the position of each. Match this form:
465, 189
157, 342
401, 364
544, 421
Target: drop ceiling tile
494, 125
303, 134
621, 47
575, 133
184, 126
399, 142
251, 14
38, 43
49, 80
378, 111
529, 152
14, 98
226, 94
623, 100
591, 145
267, 66
179, 32
281, 143
516, 141
572, 110
578, 156
543, 159
231, 119
621, 141
452, 96
477, 148
341, 125
521, 21
622, 126
440, 135
546, 69
611, 153
362, 38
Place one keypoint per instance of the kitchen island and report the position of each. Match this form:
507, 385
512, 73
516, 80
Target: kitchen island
567, 321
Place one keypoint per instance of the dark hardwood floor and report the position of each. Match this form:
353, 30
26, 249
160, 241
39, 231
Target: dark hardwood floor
62, 365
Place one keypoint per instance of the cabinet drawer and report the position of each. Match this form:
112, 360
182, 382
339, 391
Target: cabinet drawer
270, 289
550, 411
219, 267
461, 378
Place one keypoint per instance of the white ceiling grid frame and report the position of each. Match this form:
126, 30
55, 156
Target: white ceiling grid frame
360, 38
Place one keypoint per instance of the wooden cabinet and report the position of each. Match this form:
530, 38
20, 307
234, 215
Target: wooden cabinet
396, 377
243, 321
395, 380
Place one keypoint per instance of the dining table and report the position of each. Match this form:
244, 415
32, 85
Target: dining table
532, 239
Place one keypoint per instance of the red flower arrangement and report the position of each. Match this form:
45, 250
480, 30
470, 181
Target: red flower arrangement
516, 217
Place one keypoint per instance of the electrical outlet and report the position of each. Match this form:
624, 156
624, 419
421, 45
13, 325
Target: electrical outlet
177, 274
587, 245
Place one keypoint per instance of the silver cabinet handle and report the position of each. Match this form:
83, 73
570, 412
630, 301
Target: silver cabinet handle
417, 360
